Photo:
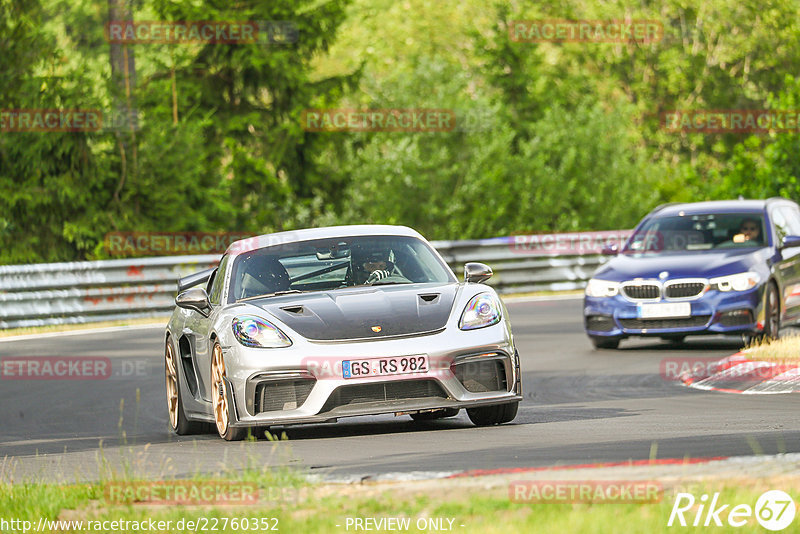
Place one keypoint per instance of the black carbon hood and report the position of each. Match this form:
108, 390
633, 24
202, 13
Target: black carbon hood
358, 312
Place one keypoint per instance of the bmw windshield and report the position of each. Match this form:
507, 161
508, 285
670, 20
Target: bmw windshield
698, 232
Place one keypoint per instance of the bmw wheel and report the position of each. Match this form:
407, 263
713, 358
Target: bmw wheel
602, 342
219, 393
772, 314
177, 417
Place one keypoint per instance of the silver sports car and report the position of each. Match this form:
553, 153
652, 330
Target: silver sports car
312, 325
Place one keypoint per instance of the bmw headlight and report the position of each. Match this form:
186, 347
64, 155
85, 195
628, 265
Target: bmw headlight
601, 288
481, 311
256, 332
735, 282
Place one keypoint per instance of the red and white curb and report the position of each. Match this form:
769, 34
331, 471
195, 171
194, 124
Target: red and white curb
597, 465
416, 476
739, 374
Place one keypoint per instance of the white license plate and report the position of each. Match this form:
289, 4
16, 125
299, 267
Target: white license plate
665, 310
400, 365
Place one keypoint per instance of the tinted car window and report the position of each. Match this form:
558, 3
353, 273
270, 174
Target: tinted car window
697, 232
329, 264
218, 280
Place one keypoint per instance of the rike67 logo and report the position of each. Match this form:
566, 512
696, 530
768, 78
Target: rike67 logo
774, 510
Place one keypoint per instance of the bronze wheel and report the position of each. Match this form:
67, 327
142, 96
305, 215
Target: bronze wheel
177, 417
171, 373
219, 393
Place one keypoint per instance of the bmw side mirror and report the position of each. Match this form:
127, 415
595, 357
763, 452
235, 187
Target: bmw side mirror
195, 299
611, 249
476, 272
790, 241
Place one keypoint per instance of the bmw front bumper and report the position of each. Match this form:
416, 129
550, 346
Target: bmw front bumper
715, 312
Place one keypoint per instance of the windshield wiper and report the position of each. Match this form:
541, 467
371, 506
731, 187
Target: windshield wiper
275, 294
389, 283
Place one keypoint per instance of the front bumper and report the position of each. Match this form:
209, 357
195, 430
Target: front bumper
716, 312
304, 383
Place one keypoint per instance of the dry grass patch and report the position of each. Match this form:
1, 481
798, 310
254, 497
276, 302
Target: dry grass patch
784, 350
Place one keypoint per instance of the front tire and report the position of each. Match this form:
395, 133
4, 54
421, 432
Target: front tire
772, 318
601, 342
178, 421
493, 415
219, 393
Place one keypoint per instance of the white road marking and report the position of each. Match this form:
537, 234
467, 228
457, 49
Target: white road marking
84, 332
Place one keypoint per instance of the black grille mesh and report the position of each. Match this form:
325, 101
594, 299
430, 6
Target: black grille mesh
599, 323
736, 318
482, 375
684, 290
281, 395
642, 291
383, 391
687, 322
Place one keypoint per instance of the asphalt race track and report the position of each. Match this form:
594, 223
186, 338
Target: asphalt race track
581, 406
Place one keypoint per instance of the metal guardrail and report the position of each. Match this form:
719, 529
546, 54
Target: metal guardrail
82, 292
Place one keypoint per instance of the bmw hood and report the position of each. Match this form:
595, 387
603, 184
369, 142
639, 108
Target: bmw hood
364, 312
705, 264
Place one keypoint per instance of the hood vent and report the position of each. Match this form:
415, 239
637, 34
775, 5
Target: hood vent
297, 310
429, 298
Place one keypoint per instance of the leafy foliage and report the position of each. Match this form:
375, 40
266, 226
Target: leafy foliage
548, 136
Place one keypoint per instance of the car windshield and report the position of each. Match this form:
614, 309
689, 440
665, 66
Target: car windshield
328, 264
697, 232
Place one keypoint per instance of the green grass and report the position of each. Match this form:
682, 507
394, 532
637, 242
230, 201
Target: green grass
320, 508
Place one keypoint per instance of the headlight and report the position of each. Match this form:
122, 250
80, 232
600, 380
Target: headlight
482, 310
735, 282
601, 288
256, 332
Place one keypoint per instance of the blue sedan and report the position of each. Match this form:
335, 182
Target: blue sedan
721, 267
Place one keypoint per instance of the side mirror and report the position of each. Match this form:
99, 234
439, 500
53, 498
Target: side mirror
476, 272
611, 249
790, 241
195, 299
